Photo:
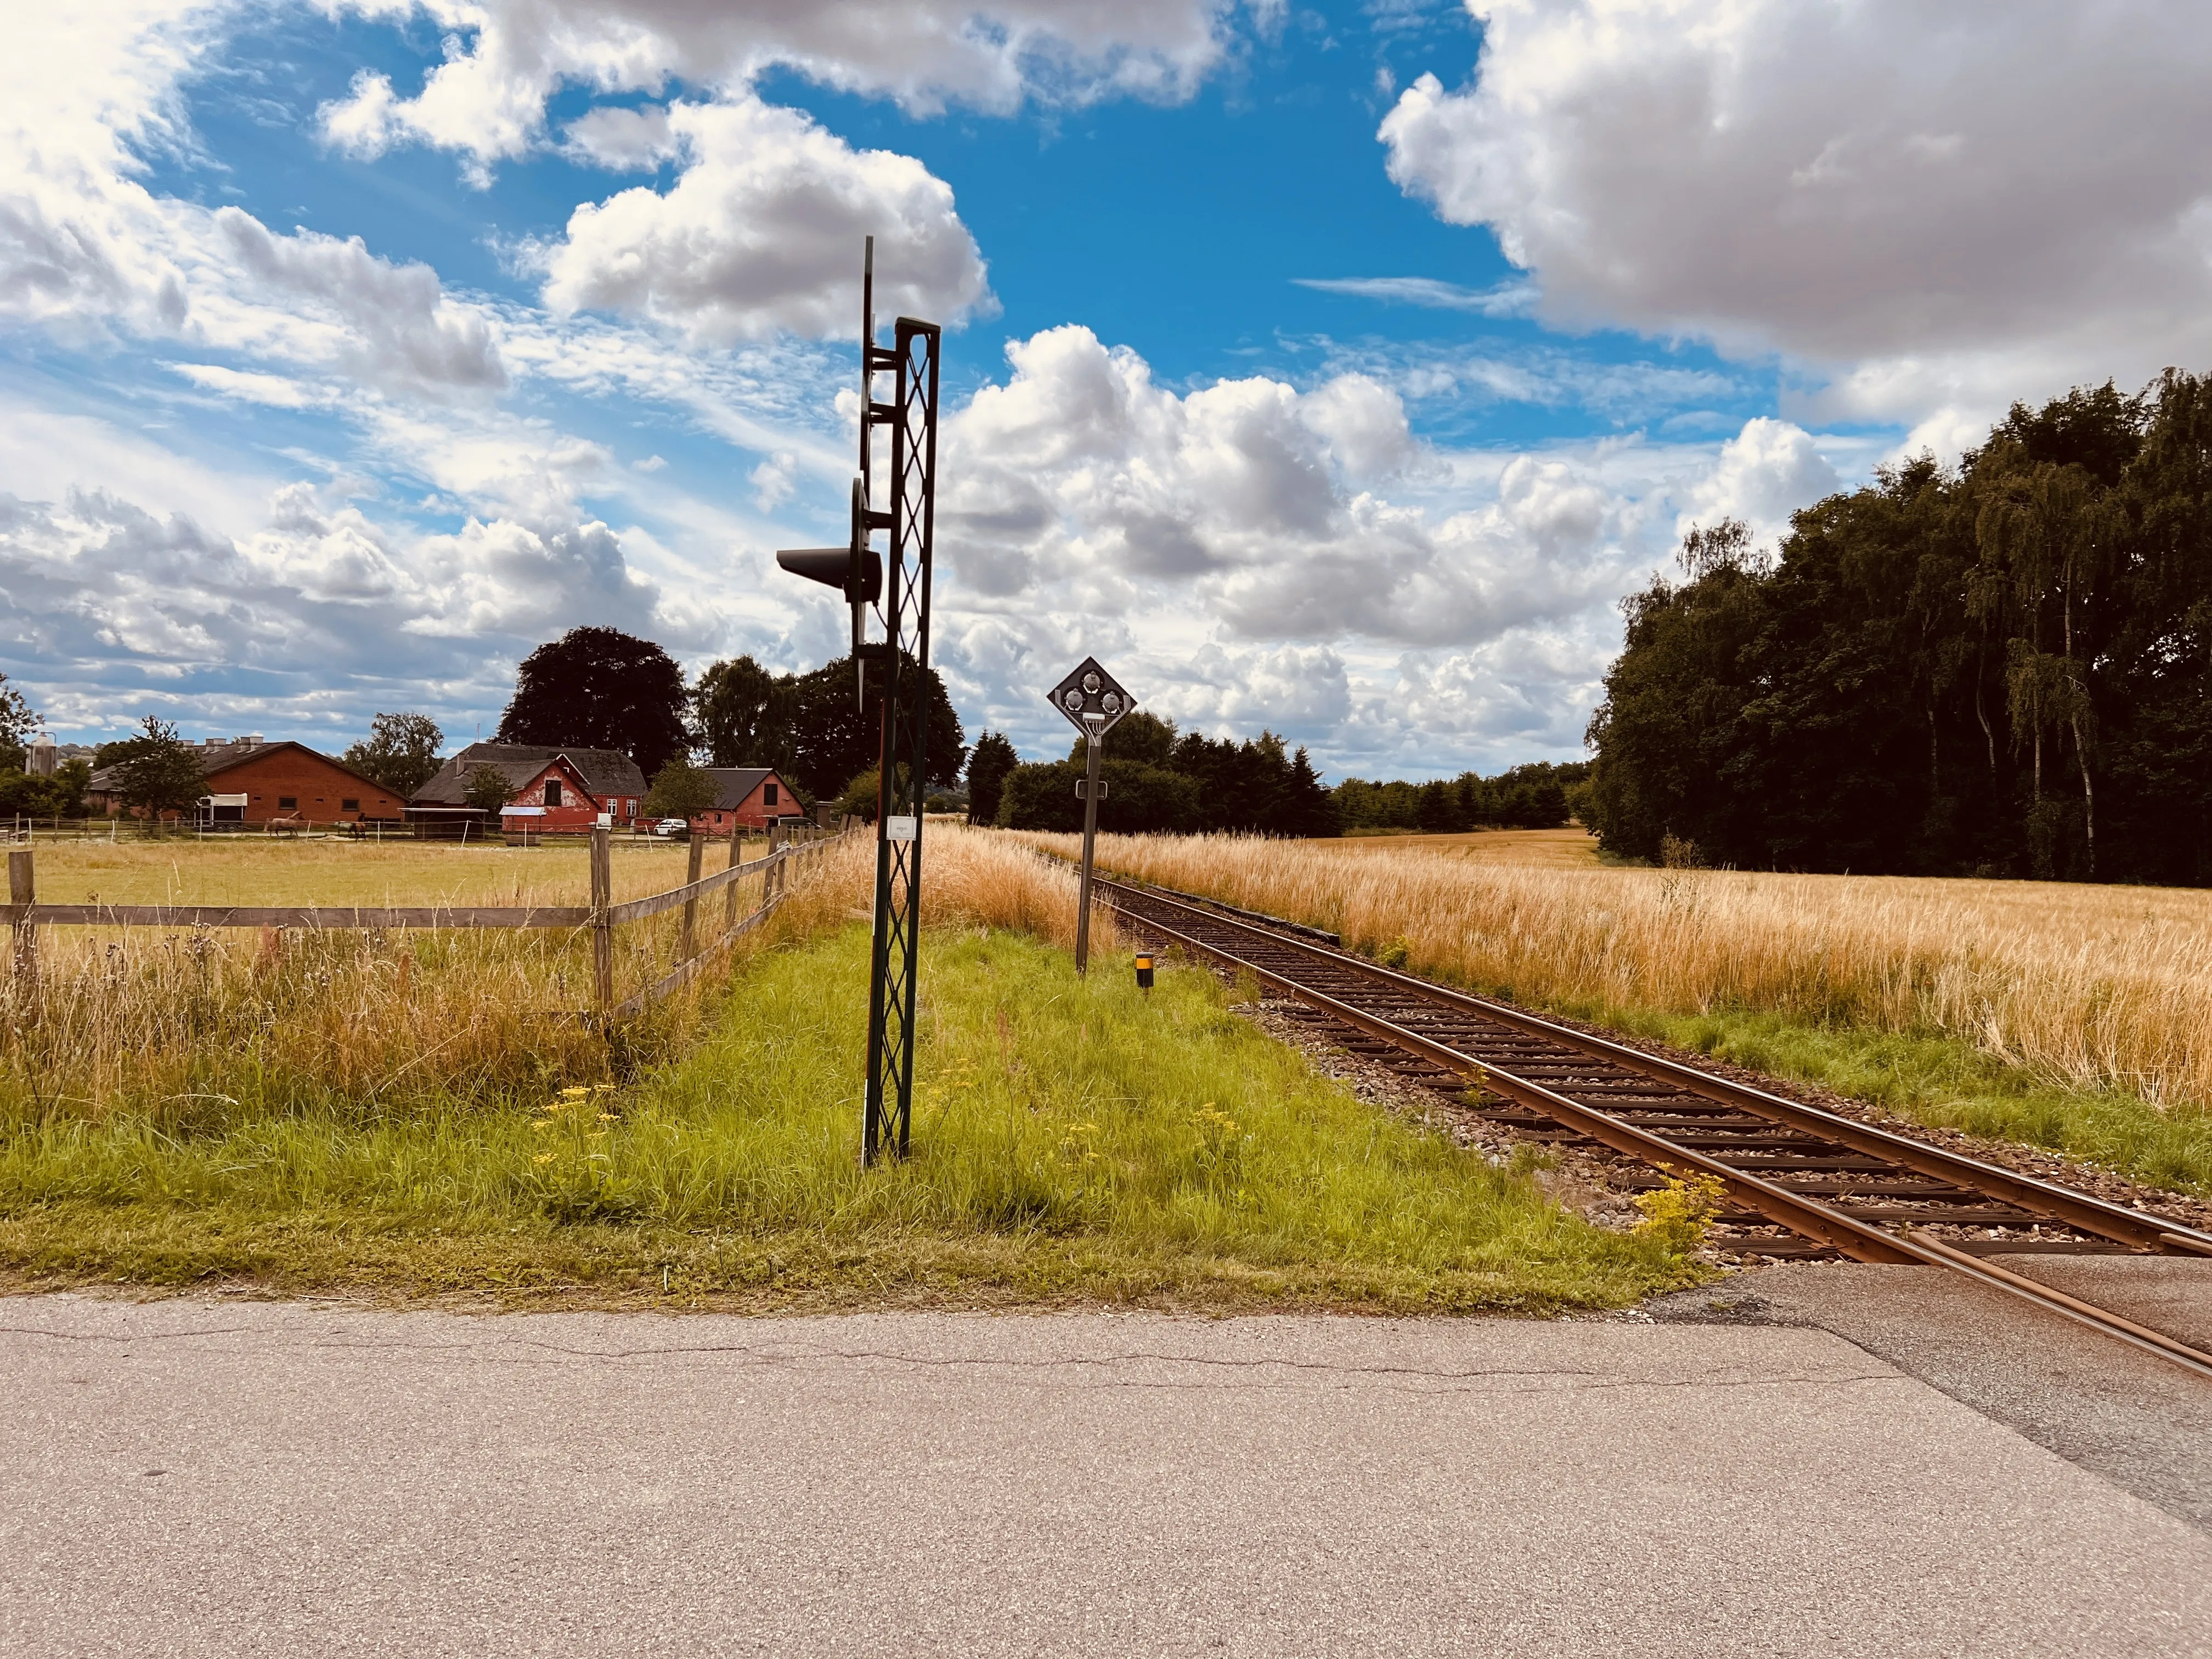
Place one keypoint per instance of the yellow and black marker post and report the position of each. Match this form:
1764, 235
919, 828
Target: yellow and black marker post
1144, 971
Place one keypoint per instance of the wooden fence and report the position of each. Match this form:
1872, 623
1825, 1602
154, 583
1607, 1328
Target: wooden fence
123, 827
788, 849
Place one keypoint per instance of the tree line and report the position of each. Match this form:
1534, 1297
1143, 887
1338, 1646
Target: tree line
593, 688
1159, 780
22, 790
599, 688
2002, 668
1536, 796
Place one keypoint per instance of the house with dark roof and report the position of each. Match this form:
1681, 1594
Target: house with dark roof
549, 788
746, 798
251, 781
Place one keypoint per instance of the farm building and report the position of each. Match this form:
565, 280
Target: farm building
561, 790
746, 798
251, 781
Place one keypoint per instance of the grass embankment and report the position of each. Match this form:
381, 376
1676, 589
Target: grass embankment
2069, 1017
1073, 1141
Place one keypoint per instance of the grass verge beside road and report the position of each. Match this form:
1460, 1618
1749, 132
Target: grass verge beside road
1074, 1141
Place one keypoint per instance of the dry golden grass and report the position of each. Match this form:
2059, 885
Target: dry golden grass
193, 1027
989, 880
261, 871
2085, 988
1569, 848
197, 1027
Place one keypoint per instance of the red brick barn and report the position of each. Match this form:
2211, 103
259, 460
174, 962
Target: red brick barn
251, 781
746, 798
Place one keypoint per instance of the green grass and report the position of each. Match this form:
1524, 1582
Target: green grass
1073, 1141
1946, 1084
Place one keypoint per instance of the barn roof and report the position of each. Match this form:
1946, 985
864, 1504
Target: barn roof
733, 784
221, 758
604, 772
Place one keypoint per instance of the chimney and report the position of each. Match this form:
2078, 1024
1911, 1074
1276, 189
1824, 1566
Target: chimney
211, 743
250, 736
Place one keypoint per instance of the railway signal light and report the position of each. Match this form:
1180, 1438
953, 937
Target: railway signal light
856, 569
899, 594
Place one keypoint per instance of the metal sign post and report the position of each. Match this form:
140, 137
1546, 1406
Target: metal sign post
898, 589
1094, 702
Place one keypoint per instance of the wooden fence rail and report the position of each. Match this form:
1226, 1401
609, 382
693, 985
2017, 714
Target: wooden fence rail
602, 916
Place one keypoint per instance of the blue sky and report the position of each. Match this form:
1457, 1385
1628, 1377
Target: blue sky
1332, 369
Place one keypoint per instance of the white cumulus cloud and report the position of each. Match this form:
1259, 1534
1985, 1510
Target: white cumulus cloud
760, 232
1931, 210
1766, 472
488, 99
1253, 553
89, 255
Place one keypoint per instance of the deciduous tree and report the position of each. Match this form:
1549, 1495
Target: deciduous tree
680, 790
400, 752
17, 723
159, 772
2003, 668
811, 728
599, 688
487, 790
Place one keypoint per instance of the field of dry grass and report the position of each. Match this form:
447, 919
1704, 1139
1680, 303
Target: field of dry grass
259, 871
195, 1029
198, 1027
1569, 849
2083, 990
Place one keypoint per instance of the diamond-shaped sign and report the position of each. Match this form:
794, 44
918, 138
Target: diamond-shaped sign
1091, 698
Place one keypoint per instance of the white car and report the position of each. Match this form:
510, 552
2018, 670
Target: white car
672, 827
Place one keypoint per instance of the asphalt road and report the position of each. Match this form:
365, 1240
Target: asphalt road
249, 1477
2139, 1421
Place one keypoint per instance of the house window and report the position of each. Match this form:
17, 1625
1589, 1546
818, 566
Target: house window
287, 803
629, 809
552, 791
768, 793
350, 803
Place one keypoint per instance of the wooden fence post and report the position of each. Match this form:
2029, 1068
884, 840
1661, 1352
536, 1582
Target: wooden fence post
692, 904
730, 904
22, 889
603, 932
772, 878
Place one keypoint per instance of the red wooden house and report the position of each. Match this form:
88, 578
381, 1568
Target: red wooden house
746, 798
566, 791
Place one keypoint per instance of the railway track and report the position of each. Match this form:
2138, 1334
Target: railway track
1798, 1181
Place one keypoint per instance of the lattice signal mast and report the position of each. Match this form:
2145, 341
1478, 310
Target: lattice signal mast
896, 589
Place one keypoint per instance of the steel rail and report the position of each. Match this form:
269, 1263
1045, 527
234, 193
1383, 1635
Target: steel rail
1860, 1239
2080, 1210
